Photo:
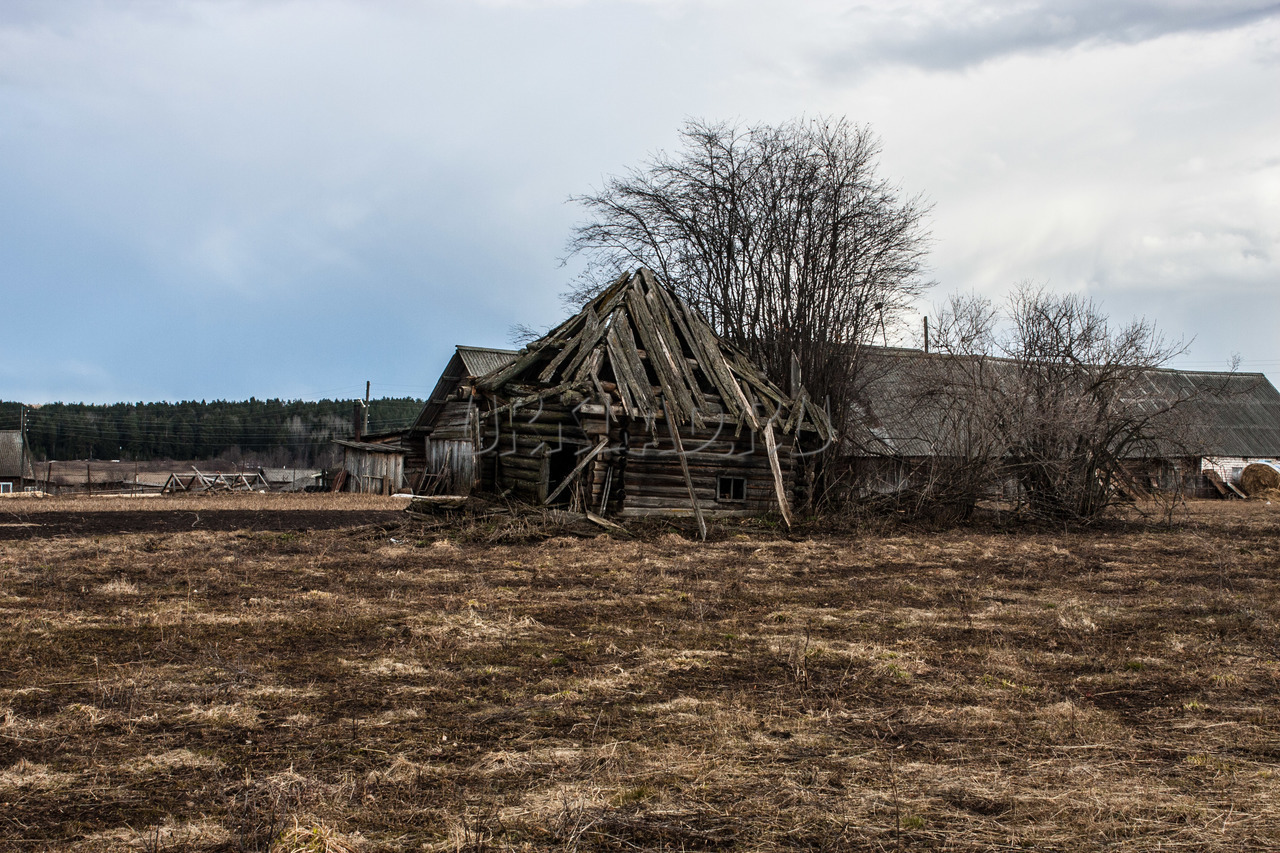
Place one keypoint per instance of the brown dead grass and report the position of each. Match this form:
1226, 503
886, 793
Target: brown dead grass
336, 689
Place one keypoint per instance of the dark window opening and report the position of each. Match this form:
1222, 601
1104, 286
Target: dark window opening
731, 489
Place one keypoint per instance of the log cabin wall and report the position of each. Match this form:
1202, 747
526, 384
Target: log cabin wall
637, 473
529, 451
730, 476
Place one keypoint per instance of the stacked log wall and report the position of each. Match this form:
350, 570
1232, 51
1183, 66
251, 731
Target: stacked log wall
517, 446
654, 483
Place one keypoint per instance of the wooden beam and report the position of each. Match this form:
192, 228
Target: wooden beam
772, 447
684, 466
573, 475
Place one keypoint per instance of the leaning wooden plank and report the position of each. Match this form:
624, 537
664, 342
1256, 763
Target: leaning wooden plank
428, 504
531, 399
604, 490
623, 379
609, 525
573, 475
522, 361
772, 447
646, 404
797, 413
676, 394
674, 349
730, 389
548, 373
589, 345
684, 465
1216, 480
714, 365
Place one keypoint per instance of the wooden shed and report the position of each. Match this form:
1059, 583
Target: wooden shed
16, 473
634, 407
371, 467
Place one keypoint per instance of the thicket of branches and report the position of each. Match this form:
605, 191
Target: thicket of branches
1050, 396
784, 237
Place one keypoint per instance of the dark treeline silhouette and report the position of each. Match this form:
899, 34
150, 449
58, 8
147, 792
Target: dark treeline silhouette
278, 432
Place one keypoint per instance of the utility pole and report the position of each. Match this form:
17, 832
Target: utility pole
22, 452
361, 411
365, 427
926, 334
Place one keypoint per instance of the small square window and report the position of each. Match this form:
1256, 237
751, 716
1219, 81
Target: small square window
5, 488
731, 489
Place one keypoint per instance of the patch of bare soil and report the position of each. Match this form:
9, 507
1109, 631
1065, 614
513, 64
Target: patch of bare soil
89, 516
405, 688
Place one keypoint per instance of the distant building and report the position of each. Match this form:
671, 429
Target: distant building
16, 471
374, 465
1204, 427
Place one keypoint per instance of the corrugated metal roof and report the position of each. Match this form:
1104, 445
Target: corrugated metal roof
481, 360
465, 363
912, 404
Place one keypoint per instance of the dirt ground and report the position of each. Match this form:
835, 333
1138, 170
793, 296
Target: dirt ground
294, 675
23, 517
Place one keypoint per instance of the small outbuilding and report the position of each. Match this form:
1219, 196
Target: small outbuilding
374, 465
16, 470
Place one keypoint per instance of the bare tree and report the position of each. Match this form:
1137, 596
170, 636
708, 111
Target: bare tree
782, 236
1064, 399
929, 418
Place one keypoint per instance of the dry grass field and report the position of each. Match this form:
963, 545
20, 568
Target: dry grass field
248, 681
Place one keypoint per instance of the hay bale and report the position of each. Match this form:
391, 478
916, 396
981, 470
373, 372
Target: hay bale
1259, 477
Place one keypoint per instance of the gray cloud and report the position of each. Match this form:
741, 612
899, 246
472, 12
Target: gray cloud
956, 35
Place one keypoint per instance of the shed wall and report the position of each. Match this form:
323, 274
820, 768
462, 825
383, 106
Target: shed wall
373, 473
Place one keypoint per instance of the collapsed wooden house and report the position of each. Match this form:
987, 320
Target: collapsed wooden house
634, 407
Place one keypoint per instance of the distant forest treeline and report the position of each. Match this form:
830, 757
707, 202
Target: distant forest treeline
264, 432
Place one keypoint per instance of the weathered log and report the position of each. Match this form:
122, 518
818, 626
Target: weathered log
573, 475
772, 447
684, 466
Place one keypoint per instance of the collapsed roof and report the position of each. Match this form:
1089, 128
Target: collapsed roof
640, 346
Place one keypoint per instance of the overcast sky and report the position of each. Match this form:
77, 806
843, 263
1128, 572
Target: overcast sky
207, 199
